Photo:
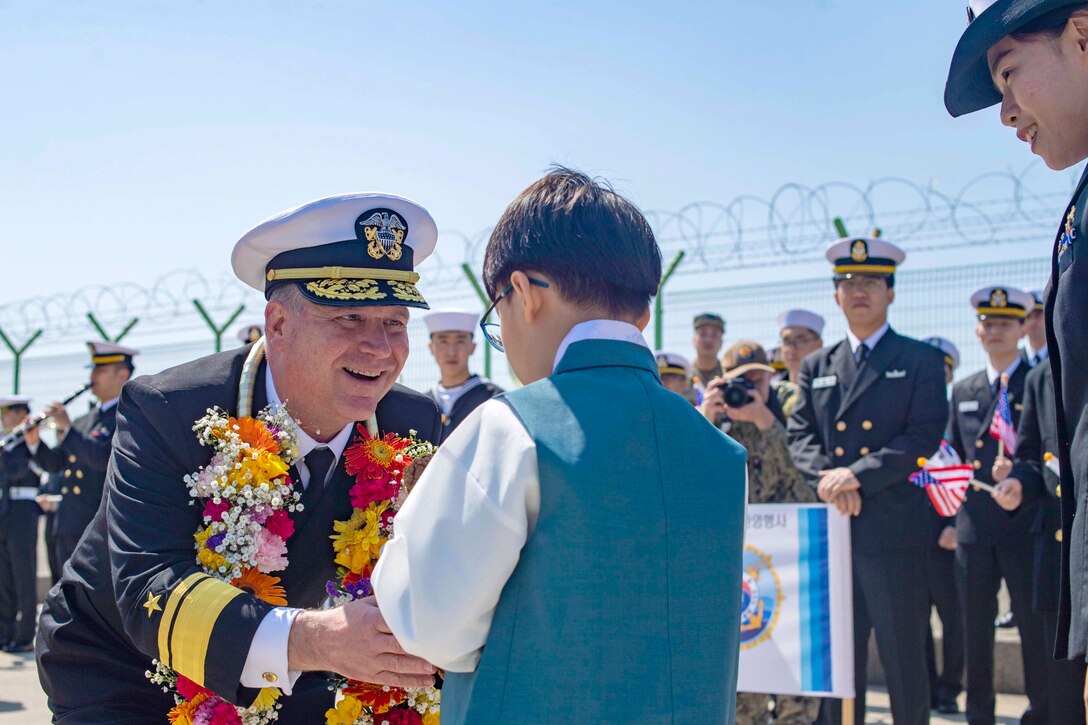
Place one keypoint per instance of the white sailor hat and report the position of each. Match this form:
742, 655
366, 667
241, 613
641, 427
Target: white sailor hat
864, 255
107, 353
251, 333
1040, 301
451, 321
347, 250
1002, 302
669, 363
951, 352
8, 401
801, 318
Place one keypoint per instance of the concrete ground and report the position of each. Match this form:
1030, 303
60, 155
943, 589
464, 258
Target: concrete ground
22, 701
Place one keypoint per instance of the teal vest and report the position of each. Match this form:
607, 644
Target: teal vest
625, 604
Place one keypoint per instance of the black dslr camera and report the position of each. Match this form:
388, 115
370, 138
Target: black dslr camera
737, 392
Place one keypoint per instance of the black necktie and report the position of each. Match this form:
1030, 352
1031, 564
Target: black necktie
861, 354
1036, 359
317, 462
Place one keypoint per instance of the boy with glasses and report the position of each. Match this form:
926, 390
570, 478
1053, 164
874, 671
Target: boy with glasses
563, 539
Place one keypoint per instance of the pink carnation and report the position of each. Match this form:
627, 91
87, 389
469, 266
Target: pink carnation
280, 524
400, 717
367, 491
271, 552
215, 711
216, 510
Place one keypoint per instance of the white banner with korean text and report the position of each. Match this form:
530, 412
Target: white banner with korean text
796, 632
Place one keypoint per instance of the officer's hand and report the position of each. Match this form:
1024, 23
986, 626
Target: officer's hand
59, 415
45, 503
354, 641
848, 503
755, 412
836, 481
32, 436
1008, 494
947, 539
1002, 468
713, 405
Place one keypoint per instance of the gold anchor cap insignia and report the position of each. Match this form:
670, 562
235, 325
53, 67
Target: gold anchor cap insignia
384, 232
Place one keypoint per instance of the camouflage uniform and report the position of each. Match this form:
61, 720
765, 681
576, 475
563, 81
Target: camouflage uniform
772, 478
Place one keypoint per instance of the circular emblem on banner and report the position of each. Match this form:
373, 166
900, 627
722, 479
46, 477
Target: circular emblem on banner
760, 600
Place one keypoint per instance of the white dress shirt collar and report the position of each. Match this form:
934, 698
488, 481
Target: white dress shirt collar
305, 442
104, 406
871, 340
993, 373
599, 330
1042, 352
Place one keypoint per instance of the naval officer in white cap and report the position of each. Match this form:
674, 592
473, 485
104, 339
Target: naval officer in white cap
339, 276
870, 405
458, 392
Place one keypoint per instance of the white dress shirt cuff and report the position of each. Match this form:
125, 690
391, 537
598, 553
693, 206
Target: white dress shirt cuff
266, 664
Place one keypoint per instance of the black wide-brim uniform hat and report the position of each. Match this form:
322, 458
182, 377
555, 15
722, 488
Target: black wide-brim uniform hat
970, 87
349, 250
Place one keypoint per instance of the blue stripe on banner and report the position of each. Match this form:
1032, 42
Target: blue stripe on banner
815, 600
807, 614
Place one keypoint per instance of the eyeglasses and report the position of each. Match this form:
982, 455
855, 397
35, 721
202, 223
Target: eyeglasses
799, 341
491, 330
864, 283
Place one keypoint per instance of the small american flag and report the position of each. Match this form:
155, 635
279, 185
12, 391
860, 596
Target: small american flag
945, 480
1001, 426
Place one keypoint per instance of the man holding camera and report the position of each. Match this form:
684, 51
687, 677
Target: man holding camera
869, 407
742, 398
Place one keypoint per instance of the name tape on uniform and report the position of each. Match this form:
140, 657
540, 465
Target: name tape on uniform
968, 406
826, 381
895, 374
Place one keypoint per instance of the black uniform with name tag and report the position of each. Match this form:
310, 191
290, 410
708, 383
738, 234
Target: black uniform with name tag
1067, 342
878, 420
993, 544
81, 458
18, 547
1037, 439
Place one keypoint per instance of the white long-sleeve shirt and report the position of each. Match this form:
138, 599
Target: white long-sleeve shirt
459, 536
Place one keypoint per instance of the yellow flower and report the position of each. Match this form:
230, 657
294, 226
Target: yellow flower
430, 718
358, 540
207, 558
266, 698
346, 712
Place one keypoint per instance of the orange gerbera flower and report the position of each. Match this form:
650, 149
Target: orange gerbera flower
264, 587
376, 697
256, 434
183, 714
379, 451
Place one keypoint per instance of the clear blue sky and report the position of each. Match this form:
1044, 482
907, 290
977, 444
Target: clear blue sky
140, 137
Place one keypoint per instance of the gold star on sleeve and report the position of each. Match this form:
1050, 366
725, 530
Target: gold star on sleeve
152, 604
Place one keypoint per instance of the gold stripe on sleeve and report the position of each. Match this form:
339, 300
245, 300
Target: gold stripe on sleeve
197, 615
167, 620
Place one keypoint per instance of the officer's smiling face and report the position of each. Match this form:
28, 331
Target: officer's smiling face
332, 365
1044, 87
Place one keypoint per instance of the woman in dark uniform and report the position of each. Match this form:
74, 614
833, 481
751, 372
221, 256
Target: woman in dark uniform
1031, 56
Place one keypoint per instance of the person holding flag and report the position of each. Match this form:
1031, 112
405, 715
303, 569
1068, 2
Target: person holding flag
993, 529
1037, 470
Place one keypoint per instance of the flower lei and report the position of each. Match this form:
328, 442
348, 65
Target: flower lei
385, 470
247, 497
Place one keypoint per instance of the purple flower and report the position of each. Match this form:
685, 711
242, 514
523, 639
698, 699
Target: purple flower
359, 589
215, 540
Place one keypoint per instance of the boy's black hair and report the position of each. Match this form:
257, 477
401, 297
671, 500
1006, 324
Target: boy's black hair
595, 245
20, 406
1048, 26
